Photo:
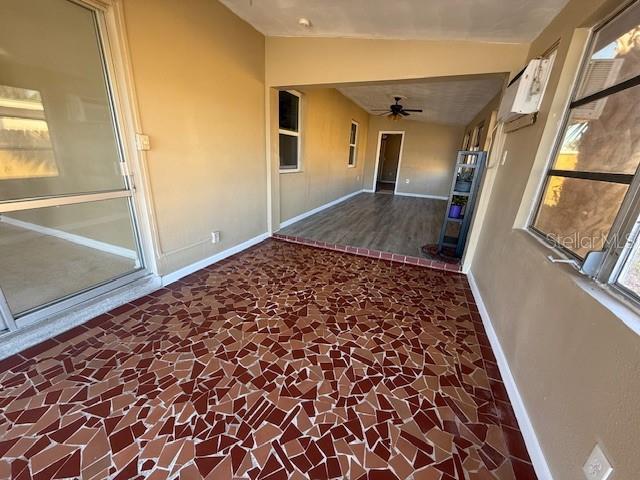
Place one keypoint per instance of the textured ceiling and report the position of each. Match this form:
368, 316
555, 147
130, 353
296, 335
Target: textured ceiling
450, 101
489, 20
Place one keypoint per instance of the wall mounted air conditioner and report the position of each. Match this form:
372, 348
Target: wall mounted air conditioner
524, 94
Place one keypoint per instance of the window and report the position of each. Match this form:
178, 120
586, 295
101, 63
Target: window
465, 141
353, 144
590, 199
477, 134
289, 130
25, 145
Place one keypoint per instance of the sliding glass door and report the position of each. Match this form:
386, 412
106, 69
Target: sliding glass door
67, 220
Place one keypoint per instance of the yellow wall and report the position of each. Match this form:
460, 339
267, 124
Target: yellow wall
428, 155
325, 176
199, 75
488, 115
311, 61
575, 362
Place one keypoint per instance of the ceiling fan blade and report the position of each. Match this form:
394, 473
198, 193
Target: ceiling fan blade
404, 112
384, 113
412, 110
380, 110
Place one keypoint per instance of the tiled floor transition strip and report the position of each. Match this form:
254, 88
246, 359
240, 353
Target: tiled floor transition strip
394, 257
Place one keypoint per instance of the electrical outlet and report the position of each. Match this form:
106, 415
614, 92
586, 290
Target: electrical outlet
406, 180
597, 467
215, 237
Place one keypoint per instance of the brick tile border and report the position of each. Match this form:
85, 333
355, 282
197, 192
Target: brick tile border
366, 252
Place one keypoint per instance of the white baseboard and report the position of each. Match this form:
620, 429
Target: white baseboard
72, 237
421, 195
304, 215
530, 439
194, 267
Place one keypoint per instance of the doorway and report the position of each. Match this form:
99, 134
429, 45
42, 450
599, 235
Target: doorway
388, 162
68, 229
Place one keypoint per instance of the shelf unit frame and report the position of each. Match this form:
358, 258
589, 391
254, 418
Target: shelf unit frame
465, 159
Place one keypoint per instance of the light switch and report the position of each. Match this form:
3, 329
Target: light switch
142, 142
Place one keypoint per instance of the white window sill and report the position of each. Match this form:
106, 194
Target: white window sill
617, 303
351, 166
291, 170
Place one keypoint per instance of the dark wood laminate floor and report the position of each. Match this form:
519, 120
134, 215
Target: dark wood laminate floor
383, 222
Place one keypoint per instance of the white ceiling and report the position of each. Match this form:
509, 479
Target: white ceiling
488, 20
449, 101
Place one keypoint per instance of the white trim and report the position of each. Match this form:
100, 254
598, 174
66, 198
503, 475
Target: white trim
375, 171
422, 195
466, 140
125, 101
200, 264
399, 169
526, 427
95, 4
290, 170
304, 215
475, 136
292, 133
30, 204
73, 238
268, 156
354, 145
6, 317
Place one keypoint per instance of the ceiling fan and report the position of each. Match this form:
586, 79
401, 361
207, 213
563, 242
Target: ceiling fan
397, 111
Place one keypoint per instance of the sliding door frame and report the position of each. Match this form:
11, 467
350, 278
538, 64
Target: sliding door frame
109, 25
112, 33
6, 317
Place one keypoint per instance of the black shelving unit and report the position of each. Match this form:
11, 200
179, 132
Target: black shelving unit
465, 185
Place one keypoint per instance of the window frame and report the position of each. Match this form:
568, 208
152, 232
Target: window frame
474, 144
354, 145
292, 133
466, 140
627, 220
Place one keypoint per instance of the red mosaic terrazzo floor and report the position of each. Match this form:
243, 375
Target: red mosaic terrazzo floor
284, 361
